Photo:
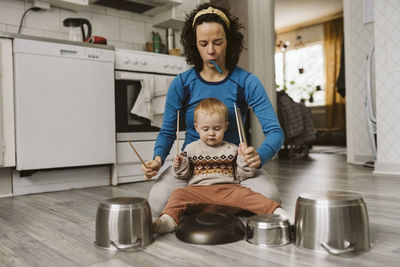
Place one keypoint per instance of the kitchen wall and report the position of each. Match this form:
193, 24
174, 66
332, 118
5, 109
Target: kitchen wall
358, 37
121, 28
387, 68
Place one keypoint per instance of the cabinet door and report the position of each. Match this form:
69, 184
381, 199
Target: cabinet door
7, 128
68, 3
1, 105
78, 2
186, 7
175, 16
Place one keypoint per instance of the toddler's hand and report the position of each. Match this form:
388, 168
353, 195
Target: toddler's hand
177, 161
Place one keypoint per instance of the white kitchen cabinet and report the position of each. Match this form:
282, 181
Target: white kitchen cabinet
7, 127
175, 16
72, 5
67, 3
79, 2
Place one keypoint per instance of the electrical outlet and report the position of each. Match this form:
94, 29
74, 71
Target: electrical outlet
41, 5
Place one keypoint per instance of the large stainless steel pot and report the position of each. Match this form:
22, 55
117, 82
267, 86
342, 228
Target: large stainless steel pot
268, 230
124, 223
332, 221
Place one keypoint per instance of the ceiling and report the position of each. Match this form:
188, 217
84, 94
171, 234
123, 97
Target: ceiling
289, 13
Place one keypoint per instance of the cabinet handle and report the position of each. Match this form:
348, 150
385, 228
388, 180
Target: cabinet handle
64, 52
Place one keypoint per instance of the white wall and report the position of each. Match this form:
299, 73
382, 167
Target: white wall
122, 29
387, 68
257, 17
261, 44
359, 38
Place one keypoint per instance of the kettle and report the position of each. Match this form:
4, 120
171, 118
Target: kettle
76, 28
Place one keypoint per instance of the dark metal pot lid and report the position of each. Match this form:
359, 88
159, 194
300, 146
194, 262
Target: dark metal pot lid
210, 229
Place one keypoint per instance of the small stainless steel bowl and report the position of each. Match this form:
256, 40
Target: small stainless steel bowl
268, 230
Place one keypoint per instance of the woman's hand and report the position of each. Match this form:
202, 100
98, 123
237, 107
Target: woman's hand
152, 167
177, 161
250, 154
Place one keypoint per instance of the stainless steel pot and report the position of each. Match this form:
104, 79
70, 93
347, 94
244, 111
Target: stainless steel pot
333, 221
124, 223
268, 230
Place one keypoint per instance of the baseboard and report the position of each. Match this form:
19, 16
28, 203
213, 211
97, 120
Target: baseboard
3, 196
58, 180
361, 159
387, 168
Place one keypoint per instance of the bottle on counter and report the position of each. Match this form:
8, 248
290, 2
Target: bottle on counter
170, 39
156, 42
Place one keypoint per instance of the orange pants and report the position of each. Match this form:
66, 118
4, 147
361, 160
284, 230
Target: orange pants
232, 196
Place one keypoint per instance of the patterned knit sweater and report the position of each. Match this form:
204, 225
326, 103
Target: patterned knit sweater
206, 165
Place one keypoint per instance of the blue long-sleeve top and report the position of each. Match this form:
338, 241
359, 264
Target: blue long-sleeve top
240, 87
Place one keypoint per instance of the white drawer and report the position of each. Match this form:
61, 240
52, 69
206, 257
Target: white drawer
125, 153
134, 170
129, 165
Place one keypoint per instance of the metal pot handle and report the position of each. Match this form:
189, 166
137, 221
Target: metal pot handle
337, 251
131, 247
250, 232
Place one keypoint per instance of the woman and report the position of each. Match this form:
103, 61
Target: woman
212, 34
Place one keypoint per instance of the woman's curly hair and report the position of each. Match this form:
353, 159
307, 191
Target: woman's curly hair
235, 39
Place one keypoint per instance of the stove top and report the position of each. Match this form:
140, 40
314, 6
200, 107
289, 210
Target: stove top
140, 61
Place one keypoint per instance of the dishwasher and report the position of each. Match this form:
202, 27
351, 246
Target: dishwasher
64, 105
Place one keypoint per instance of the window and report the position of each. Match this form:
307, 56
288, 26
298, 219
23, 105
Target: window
302, 73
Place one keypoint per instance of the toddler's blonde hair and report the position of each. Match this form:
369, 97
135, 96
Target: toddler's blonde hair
211, 106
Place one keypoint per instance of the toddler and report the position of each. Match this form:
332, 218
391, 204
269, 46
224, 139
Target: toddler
214, 169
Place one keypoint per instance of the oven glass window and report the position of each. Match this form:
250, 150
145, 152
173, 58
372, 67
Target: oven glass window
126, 94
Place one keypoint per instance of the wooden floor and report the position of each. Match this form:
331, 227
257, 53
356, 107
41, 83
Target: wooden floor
58, 229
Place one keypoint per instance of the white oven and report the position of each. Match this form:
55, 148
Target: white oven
141, 84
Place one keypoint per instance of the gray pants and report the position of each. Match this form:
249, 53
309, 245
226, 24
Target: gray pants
262, 183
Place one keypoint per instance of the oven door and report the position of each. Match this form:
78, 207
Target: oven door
127, 88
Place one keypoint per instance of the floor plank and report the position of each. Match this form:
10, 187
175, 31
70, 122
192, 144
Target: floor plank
58, 229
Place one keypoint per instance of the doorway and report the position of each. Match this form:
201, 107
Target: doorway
307, 69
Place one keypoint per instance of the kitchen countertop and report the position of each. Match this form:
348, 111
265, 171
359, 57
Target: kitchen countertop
46, 39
